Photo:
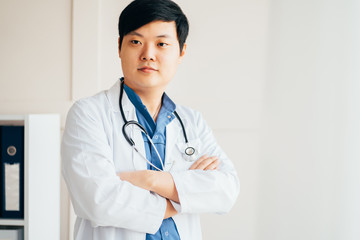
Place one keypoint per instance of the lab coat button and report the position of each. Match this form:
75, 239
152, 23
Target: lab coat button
156, 136
166, 233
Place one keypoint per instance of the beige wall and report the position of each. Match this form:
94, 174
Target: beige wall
35, 56
54, 52
35, 63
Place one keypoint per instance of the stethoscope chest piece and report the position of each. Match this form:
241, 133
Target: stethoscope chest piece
190, 153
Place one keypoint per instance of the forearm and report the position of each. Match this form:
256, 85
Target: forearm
170, 210
161, 183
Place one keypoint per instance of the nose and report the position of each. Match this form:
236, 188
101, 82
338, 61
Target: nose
148, 53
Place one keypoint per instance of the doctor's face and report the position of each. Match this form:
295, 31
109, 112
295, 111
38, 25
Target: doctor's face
150, 56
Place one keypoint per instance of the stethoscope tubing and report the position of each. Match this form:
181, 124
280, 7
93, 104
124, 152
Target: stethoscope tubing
188, 151
147, 160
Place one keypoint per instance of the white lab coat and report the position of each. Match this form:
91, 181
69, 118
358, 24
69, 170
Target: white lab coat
94, 151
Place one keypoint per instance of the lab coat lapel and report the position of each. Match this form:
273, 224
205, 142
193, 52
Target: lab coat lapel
138, 160
173, 131
130, 114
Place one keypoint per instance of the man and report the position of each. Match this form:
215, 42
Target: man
151, 178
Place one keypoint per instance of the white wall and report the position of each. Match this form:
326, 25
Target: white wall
283, 76
309, 163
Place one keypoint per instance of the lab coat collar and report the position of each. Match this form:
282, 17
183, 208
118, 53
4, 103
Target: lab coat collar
113, 95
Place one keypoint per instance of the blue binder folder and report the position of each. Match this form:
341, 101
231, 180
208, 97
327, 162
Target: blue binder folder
12, 171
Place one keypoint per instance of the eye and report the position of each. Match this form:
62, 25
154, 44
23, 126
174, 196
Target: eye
163, 44
135, 42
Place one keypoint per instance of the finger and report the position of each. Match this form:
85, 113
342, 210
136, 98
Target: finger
195, 164
214, 165
199, 161
206, 162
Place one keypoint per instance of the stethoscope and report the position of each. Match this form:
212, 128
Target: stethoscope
189, 152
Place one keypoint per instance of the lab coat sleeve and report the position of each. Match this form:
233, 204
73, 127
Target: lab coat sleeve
213, 191
96, 191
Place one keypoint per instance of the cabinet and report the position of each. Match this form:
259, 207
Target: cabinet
41, 175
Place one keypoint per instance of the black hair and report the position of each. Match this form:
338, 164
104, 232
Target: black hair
141, 12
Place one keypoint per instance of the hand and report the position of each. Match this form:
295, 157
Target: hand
206, 163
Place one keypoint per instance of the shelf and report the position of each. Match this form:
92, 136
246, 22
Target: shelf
12, 222
41, 143
12, 117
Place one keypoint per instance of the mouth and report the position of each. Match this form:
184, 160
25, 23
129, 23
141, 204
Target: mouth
147, 69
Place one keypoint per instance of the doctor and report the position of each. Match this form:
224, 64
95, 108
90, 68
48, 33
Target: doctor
147, 179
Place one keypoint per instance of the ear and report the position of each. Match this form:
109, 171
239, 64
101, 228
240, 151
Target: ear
119, 47
182, 52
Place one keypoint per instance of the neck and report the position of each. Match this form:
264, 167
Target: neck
151, 98
152, 101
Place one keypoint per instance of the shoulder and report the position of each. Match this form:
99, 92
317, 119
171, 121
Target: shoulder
95, 109
189, 115
96, 103
186, 111
99, 104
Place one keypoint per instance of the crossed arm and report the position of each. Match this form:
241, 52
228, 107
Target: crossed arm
163, 184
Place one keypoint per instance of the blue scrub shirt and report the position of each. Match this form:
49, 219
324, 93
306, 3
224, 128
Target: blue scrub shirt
157, 133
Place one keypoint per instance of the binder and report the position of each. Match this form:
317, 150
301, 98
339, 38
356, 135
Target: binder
12, 172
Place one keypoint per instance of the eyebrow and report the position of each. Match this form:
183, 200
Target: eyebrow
159, 36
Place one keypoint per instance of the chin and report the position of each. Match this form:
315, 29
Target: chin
149, 81
146, 81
